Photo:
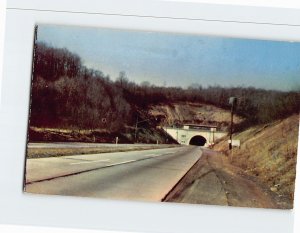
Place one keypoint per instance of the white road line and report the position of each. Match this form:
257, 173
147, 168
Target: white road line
164, 154
158, 155
129, 161
150, 154
95, 161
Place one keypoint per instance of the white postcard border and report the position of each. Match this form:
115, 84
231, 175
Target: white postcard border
19, 208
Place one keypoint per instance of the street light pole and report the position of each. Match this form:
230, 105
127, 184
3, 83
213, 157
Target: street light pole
232, 102
135, 131
231, 123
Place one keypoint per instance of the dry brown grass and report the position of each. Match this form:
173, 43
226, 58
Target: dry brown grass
268, 152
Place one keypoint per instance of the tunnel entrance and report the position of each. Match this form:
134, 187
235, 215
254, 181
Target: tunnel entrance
198, 141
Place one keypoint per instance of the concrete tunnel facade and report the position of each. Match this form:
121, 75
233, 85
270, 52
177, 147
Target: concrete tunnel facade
186, 135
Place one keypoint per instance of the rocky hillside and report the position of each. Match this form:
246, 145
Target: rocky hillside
268, 152
196, 113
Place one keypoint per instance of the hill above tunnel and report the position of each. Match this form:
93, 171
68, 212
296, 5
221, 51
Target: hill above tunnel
180, 113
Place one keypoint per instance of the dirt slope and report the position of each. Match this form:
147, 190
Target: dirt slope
268, 152
185, 112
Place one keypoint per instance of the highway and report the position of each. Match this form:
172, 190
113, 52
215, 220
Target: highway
146, 175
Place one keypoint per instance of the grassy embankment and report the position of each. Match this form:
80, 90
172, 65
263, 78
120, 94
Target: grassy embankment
268, 152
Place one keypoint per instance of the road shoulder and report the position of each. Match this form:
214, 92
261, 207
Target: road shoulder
213, 180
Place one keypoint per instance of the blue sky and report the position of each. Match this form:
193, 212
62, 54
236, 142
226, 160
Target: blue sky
181, 59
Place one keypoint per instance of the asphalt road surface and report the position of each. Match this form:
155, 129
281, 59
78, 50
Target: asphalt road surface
136, 175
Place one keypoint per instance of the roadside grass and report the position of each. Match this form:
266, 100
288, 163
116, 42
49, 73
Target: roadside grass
268, 152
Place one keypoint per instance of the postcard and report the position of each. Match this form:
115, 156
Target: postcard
167, 117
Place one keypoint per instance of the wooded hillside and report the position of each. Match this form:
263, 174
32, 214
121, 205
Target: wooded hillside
67, 94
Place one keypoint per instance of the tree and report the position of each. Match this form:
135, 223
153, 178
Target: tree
122, 79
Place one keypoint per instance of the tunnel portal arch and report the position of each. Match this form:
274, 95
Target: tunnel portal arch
198, 140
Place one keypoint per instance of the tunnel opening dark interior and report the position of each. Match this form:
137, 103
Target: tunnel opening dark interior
198, 141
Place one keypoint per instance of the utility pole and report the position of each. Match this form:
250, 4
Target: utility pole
136, 126
232, 102
135, 131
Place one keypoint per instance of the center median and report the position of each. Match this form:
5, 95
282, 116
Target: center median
46, 152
